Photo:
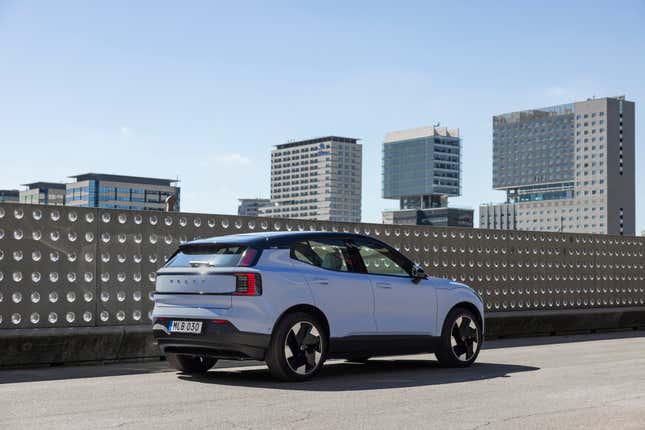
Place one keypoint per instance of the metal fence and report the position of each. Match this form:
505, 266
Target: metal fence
73, 267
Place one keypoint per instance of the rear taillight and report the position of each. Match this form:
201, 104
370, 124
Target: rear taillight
248, 258
248, 284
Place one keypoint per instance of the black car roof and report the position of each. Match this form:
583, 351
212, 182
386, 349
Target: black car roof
273, 238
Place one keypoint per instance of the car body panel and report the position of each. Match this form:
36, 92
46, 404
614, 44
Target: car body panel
450, 294
345, 298
403, 306
283, 287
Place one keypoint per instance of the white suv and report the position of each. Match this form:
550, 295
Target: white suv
294, 299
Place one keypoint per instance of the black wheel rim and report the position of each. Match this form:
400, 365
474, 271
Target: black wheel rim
464, 338
303, 348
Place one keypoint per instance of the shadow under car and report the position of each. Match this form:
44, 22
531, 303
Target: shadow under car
375, 374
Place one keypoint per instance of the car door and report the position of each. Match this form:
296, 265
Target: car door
402, 305
343, 293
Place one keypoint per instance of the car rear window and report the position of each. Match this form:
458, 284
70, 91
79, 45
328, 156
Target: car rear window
213, 256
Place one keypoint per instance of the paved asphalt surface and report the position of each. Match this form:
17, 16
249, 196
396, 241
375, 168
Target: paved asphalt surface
580, 382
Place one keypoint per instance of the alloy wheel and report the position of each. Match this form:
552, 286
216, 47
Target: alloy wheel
464, 338
303, 348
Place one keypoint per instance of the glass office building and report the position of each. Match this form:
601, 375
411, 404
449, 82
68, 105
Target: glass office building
435, 217
121, 192
422, 162
421, 169
533, 147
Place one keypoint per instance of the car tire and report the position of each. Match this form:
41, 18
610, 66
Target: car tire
461, 339
298, 348
191, 363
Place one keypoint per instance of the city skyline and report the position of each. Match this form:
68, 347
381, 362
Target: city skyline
189, 117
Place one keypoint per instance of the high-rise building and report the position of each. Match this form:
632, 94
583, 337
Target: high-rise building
421, 169
565, 168
9, 196
250, 207
317, 179
43, 193
121, 192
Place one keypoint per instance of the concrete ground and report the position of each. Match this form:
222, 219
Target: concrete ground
581, 382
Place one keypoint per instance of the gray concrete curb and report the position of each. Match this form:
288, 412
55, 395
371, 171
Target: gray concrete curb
541, 323
32, 347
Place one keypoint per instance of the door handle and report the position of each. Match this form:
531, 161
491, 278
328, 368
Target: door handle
384, 285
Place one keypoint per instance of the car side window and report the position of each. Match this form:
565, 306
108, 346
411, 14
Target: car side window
301, 251
380, 260
327, 254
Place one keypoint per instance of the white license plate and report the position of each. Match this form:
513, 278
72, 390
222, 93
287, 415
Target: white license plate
194, 327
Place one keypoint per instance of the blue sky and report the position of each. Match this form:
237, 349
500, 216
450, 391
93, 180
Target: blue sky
203, 90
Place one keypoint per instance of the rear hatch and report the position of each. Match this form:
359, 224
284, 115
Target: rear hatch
207, 275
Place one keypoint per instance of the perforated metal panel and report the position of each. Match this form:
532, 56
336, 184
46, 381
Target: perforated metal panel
47, 266
63, 266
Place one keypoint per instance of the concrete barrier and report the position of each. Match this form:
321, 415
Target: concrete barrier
541, 323
56, 346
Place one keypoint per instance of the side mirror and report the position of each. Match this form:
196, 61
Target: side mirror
418, 273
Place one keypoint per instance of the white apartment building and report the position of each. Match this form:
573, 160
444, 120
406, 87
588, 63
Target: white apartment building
316, 179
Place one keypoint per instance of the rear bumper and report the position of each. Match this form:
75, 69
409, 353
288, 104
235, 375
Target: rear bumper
218, 340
